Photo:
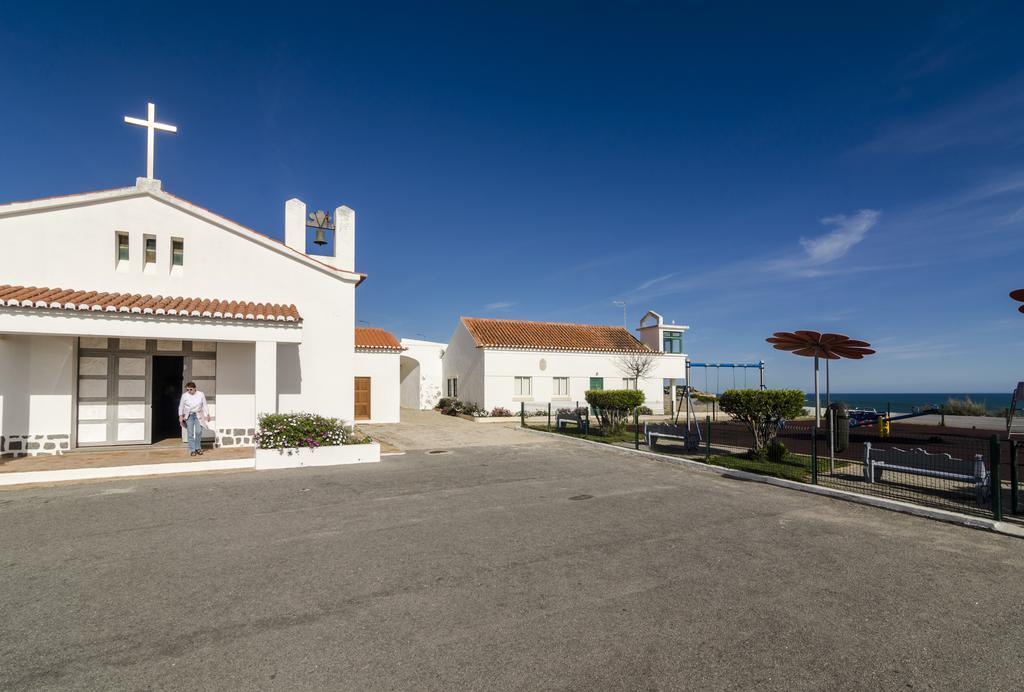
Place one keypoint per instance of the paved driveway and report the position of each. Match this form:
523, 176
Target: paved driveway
488, 568
431, 430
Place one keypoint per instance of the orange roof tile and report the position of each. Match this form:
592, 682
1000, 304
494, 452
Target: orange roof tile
376, 339
61, 299
551, 336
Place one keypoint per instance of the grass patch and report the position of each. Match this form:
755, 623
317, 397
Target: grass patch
793, 467
614, 438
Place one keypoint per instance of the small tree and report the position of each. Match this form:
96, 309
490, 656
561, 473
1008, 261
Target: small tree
637, 364
613, 406
762, 410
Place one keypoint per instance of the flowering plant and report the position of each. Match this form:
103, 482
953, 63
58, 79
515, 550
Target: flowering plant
285, 430
500, 411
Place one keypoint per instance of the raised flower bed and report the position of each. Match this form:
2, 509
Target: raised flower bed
290, 440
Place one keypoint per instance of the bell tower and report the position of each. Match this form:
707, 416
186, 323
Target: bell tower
342, 225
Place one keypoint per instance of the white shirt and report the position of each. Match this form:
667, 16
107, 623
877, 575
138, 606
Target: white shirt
193, 403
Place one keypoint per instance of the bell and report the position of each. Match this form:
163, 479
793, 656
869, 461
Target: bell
320, 239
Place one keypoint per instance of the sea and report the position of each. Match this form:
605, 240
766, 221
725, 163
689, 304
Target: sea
904, 402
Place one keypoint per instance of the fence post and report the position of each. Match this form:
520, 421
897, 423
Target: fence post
586, 415
549, 416
1014, 479
522, 414
636, 428
814, 455
707, 438
997, 485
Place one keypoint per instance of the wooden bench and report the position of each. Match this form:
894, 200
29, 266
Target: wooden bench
920, 462
578, 419
672, 431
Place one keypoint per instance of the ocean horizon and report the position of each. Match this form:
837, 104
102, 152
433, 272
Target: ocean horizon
906, 401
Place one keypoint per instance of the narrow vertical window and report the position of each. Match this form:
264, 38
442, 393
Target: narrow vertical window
149, 254
523, 386
561, 387
177, 252
122, 247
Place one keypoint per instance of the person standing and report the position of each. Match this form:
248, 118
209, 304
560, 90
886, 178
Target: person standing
193, 414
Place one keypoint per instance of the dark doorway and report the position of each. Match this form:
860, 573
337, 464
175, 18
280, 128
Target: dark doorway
168, 373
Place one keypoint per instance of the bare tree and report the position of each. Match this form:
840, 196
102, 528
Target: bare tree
637, 364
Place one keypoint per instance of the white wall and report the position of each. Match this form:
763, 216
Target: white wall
75, 247
236, 386
542, 366
462, 359
421, 373
382, 369
36, 388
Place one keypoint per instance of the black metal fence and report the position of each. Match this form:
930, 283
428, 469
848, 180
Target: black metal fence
966, 471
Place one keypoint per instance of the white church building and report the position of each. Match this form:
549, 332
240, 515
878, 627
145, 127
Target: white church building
111, 300
509, 363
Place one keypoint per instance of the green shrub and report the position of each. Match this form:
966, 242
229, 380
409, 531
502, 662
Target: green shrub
284, 430
762, 410
964, 407
776, 452
644, 411
614, 406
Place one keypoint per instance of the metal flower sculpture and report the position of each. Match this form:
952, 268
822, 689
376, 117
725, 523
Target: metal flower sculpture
1018, 295
818, 345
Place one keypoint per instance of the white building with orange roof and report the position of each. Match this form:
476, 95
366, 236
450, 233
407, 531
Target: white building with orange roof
110, 301
377, 370
511, 363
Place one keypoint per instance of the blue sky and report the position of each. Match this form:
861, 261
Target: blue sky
741, 171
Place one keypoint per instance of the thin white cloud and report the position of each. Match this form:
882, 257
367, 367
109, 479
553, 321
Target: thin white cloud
656, 280
849, 230
498, 306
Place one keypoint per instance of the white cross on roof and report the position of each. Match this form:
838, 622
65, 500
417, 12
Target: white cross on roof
151, 126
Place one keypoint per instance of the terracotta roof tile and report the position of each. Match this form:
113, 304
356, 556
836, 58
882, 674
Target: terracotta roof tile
376, 339
65, 299
551, 336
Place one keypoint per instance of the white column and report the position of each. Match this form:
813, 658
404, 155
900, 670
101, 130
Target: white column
266, 377
295, 225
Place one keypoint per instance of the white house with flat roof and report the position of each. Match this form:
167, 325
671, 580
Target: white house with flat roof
507, 363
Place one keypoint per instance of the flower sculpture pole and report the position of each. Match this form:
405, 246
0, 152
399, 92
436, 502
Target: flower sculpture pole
818, 345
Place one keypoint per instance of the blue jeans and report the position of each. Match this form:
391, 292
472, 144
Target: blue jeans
195, 432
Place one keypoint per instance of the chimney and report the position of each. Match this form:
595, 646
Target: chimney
295, 224
344, 239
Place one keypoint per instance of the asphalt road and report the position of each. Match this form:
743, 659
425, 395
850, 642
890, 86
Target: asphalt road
477, 570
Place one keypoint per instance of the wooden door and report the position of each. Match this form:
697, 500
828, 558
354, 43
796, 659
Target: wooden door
362, 407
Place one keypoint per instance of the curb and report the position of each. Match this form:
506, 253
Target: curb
1000, 527
88, 474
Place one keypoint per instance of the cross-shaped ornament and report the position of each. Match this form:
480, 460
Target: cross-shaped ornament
151, 126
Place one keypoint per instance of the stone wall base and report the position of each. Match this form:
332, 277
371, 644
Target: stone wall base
235, 437
17, 446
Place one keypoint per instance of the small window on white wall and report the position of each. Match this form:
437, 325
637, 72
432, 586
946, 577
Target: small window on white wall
524, 386
177, 252
122, 247
561, 386
149, 254
629, 383
453, 387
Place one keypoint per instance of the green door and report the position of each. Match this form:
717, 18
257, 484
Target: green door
597, 383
